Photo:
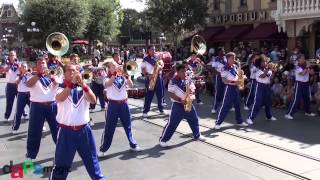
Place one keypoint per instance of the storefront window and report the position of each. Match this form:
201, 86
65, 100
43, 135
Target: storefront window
216, 4
243, 2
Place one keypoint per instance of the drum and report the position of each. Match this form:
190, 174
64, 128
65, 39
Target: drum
136, 93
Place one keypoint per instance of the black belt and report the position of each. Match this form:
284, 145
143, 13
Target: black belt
118, 101
48, 103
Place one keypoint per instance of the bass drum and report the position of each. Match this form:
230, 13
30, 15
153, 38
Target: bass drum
136, 93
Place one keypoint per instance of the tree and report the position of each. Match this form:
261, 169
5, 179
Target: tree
129, 23
66, 16
174, 16
104, 20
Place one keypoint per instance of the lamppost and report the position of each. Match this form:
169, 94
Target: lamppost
8, 35
161, 38
33, 29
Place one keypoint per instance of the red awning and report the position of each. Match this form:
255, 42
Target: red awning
233, 32
207, 33
265, 31
81, 41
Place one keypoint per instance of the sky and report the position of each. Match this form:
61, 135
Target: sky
133, 4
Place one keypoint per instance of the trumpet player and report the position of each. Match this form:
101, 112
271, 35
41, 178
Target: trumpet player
262, 96
218, 63
43, 88
75, 135
231, 95
12, 70
23, 97
301, 89
178, 92
148, 66
117, 96
253, 82
97, 87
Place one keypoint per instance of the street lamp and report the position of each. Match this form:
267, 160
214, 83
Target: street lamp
33, 28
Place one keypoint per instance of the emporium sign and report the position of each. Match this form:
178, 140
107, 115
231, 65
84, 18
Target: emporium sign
243, 17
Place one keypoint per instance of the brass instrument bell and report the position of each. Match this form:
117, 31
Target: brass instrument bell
57, 44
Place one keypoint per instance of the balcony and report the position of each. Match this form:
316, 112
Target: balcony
297, 9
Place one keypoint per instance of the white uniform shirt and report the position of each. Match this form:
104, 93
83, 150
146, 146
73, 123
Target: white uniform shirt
41, 92
298, 76
230, 73
118, 90
265, 80
12, 74
178, 87
148, 63
74, 111
217, 64
253, 71
22, 87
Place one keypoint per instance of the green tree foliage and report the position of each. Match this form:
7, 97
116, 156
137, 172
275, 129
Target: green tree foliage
131, 24
174, 16
67, 16
104, 20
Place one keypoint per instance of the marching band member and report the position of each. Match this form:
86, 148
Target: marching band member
117, 96
253, 82
218, 63
23, 98
53, 62
97, 87
231, 95
301, 89
262, 94
147, 67
43, 107
194, 60
177, 93
75, 135
12, 70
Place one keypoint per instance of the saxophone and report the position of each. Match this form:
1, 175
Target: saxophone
188, 99
241, 77
155, 73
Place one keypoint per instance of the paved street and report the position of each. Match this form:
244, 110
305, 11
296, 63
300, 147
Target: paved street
232, 153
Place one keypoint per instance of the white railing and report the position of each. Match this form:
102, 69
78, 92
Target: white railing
299, 7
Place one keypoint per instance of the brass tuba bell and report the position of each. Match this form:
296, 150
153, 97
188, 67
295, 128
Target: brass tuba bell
57, 44
198, 45
131, 68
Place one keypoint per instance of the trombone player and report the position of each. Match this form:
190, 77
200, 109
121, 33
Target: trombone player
149, 65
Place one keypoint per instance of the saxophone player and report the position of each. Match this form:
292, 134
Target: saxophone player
178, 94
231, 95
148, 66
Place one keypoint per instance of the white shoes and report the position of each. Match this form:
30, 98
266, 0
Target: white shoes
163, 144
102, 154
272, 119
14, 132
243, 124
200, 103
213, 111
163, 113
29, 159
91, 123
8, 120
310, 114
135, 149
144, 116
249, 121
246, 108
288, 116
91, 110
201, 138
232, 109
44, 128
217, 127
